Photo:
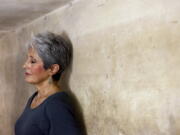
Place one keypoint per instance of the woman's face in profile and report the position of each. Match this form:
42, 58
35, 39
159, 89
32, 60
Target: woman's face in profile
34, 70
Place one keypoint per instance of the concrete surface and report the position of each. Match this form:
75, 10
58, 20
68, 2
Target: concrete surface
125, 72
15, 13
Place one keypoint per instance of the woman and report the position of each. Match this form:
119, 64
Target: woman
48, 111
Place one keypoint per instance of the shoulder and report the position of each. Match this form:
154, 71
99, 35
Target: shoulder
61, 115
60, 98
59, 103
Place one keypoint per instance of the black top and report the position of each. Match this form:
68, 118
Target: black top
52, 117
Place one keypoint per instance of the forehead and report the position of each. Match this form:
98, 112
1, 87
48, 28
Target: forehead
33, 53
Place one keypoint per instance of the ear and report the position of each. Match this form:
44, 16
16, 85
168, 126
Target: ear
54, 69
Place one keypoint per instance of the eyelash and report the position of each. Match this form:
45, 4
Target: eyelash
33, 61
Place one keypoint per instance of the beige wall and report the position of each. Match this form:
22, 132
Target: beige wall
13, 93
126, 67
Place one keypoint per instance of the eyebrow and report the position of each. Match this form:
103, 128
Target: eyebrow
29, 55
32, 57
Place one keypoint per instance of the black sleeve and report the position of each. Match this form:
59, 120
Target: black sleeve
61, 118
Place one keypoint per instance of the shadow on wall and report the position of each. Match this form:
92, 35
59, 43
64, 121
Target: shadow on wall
65, 86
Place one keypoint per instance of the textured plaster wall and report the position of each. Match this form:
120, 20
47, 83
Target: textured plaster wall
126, 66
11, 82
5, 89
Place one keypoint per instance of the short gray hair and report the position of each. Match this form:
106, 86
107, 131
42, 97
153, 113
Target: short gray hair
52, 49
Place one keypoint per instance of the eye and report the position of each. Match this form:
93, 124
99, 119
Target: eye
33, 61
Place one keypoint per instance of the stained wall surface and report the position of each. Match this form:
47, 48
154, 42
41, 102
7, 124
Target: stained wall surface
126, 65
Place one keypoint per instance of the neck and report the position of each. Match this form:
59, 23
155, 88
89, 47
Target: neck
47, 88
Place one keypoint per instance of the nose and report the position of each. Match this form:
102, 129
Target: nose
24, 66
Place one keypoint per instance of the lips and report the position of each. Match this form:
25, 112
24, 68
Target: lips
26, 73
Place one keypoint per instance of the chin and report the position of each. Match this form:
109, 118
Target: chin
30, 81
34, 81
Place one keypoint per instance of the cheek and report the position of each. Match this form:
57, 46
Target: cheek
38, 69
